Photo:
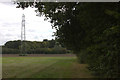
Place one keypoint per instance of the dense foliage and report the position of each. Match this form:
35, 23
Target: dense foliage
91, 30
34, 47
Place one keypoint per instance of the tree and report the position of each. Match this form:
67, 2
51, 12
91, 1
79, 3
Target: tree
13, 44
51, 43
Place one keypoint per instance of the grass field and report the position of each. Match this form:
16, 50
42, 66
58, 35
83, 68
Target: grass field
43, 67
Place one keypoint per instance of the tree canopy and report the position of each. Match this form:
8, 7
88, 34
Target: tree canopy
34, 47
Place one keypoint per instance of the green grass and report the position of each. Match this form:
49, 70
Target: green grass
43, 67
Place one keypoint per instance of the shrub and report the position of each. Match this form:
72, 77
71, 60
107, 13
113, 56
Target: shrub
10, 51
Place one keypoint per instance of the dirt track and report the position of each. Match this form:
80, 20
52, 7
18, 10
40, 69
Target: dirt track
39, 55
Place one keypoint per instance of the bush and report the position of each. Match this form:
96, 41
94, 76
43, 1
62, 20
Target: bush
82, 57
36, 51
10, 51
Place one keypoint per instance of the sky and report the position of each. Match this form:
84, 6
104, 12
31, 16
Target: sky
10, 24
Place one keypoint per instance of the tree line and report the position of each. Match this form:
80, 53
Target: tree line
34, 47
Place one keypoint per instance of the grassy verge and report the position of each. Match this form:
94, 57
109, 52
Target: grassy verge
44, 67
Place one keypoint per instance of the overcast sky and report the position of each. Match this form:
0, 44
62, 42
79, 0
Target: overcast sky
10, 24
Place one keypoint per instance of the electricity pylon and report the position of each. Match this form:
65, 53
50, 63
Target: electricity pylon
23, 37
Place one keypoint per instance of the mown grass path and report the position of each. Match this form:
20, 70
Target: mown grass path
43, 67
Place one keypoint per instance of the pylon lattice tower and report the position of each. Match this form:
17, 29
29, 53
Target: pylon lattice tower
23, 37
